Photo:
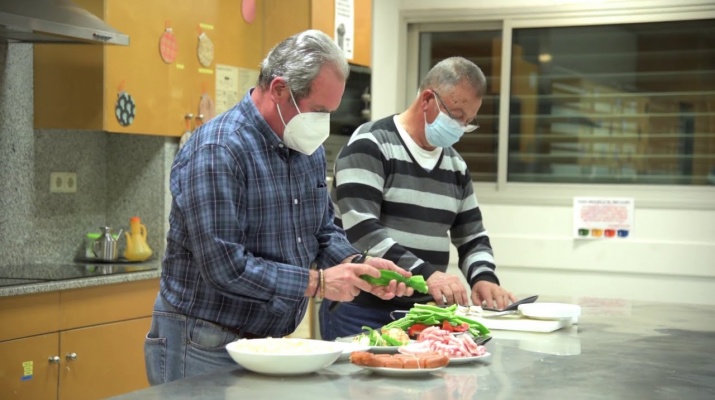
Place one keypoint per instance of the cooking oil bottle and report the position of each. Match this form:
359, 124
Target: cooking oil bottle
137, 248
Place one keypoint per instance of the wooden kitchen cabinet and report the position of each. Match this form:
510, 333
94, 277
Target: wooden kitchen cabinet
109, 360
25, 369
283, 19
30, 315
95, 347
77, 86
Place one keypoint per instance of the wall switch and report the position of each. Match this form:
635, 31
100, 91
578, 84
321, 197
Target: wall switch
63, 182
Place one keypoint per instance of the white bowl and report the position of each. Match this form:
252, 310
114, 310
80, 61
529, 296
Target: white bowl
286, 356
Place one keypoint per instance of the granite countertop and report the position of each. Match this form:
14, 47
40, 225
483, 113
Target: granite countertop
618, 350
49, 277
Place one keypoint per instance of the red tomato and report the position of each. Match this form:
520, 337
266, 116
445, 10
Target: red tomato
416, 329
447, 326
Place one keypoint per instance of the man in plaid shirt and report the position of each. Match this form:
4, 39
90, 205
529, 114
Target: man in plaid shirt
251, 213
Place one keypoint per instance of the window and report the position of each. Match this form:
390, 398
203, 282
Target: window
611, 104
478, 148
629, 103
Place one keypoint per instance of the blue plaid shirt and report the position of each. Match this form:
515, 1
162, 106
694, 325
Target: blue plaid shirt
248, 217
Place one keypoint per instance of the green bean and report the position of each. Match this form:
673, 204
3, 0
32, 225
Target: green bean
432, 308
483, 330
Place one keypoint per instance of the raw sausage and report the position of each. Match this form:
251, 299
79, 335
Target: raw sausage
405, 361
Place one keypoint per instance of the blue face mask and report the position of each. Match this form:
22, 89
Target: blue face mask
443, 131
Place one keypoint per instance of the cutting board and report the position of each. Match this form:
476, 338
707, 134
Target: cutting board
519, 323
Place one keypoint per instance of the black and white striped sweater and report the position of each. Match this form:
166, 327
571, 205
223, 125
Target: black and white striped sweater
386, 201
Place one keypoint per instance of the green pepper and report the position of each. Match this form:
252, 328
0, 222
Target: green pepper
475, 328
375, 338
390, 340
416, 282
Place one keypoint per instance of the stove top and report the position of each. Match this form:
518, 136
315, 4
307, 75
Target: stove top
35, 273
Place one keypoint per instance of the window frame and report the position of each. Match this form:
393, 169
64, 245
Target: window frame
502, 191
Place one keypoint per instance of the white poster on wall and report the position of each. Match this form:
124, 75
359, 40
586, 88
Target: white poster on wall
247, 79
345, 26
232, 83
226, 87
603, 217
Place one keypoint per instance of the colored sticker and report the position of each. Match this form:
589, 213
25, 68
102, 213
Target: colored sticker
207, 108
125, 109
205, 50
610, 232
596, 232
27, 370
248, 9
168, 46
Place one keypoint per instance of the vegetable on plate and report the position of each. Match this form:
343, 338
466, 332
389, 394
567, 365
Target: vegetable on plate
383, 337
422, 316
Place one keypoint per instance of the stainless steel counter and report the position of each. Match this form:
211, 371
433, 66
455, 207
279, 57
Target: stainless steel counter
619, 350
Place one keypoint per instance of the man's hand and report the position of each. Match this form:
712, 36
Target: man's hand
343, 282
489, 294
447, 289
393, 289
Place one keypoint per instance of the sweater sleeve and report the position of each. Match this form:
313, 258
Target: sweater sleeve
469, 236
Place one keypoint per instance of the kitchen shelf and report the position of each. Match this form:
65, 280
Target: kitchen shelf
624, 96
644, 56
611, 131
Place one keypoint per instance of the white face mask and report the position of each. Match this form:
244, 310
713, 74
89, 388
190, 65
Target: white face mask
306, 131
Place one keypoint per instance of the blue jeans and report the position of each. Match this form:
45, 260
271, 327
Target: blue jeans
178, 346
349, 318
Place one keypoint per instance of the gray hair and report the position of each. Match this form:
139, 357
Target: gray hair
299, 58
451, 72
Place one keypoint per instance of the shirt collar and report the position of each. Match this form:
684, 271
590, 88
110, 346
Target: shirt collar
254, 118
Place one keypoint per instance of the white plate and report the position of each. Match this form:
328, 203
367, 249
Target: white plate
402, 372
465, 360
372, 349
384, 349
550, 311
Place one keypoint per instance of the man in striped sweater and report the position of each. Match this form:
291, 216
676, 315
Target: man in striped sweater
401, 191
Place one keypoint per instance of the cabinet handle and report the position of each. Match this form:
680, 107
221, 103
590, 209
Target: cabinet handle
54, 359
200, 117
71, 356
189, 116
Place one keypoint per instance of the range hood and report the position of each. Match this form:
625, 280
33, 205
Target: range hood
54, 21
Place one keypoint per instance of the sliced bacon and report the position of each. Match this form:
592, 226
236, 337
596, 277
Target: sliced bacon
415, 348
444, 342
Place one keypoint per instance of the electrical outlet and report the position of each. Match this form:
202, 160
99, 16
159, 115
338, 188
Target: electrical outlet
63, 182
